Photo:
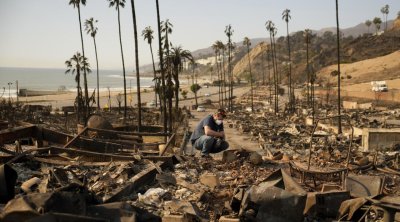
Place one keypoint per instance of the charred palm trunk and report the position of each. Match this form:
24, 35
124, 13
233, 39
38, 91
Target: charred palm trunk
276, 74
219, 80
195, 98
230, 75
251, 79
313, 97
164, 108
308, 73
78, 96
123, 62
97, 71
338, 58
154, 71
169, 83
269, 77
86, 104
139, 116
224, 84
290, 93
274, 71
176, 79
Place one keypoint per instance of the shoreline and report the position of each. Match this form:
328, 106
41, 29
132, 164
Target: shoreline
57, 101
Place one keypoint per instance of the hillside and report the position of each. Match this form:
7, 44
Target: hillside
242, 66
355, 31
380, 68
322, 53
206, 52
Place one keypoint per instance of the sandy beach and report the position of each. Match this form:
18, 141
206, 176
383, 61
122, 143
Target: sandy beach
147, 95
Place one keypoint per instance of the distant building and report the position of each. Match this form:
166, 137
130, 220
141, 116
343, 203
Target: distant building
206, 61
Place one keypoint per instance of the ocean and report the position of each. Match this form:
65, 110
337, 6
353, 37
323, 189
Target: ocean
55, 79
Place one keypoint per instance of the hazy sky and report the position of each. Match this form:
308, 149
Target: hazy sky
45, 33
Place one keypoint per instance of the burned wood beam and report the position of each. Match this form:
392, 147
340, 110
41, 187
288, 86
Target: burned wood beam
112, 157
70, 163
168, 144
132, 143
87, 144
96, 145
10, 135
76, 137
131, 132
131, 137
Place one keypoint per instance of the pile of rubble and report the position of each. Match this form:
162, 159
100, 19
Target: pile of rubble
108, 172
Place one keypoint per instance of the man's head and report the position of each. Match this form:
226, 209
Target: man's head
219, 115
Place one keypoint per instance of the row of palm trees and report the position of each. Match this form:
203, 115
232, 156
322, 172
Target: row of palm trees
220, 50
169, 69
271, 56
376, 21
220, 55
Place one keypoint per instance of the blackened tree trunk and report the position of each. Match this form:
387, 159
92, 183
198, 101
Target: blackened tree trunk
139, 116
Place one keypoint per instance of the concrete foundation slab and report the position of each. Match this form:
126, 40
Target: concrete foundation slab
379, 139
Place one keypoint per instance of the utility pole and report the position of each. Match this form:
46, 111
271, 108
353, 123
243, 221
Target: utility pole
16, 83
130, 92
9, 91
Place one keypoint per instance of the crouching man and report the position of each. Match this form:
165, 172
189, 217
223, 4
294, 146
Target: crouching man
209, 136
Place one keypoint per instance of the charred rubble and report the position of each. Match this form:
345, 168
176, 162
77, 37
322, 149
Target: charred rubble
302, 170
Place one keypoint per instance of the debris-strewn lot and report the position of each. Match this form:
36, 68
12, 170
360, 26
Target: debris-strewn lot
303, 170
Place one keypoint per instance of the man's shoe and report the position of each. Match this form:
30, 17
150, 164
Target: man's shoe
206, 156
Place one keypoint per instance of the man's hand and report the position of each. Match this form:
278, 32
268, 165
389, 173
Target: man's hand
223, 134
209, 132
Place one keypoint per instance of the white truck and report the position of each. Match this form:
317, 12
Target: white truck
379, 86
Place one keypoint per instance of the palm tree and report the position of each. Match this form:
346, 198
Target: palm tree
385, 12
269, 74
166, 28
92, 30
139, 102
194, 88
286, 16
377, 22
117, 4
76, 4
247, 43
160, 51
147, 34
229, 33
77, 64
177, 55
338, 58
222, 49
368, 23
307, 39
270, 26
263, 67
215, 47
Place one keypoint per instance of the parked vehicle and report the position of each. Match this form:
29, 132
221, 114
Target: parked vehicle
379, 86
201, 109
151, 104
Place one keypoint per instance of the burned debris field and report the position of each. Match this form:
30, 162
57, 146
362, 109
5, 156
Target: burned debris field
290, 169
197, 111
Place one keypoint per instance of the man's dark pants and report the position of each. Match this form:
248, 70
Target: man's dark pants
209, 144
